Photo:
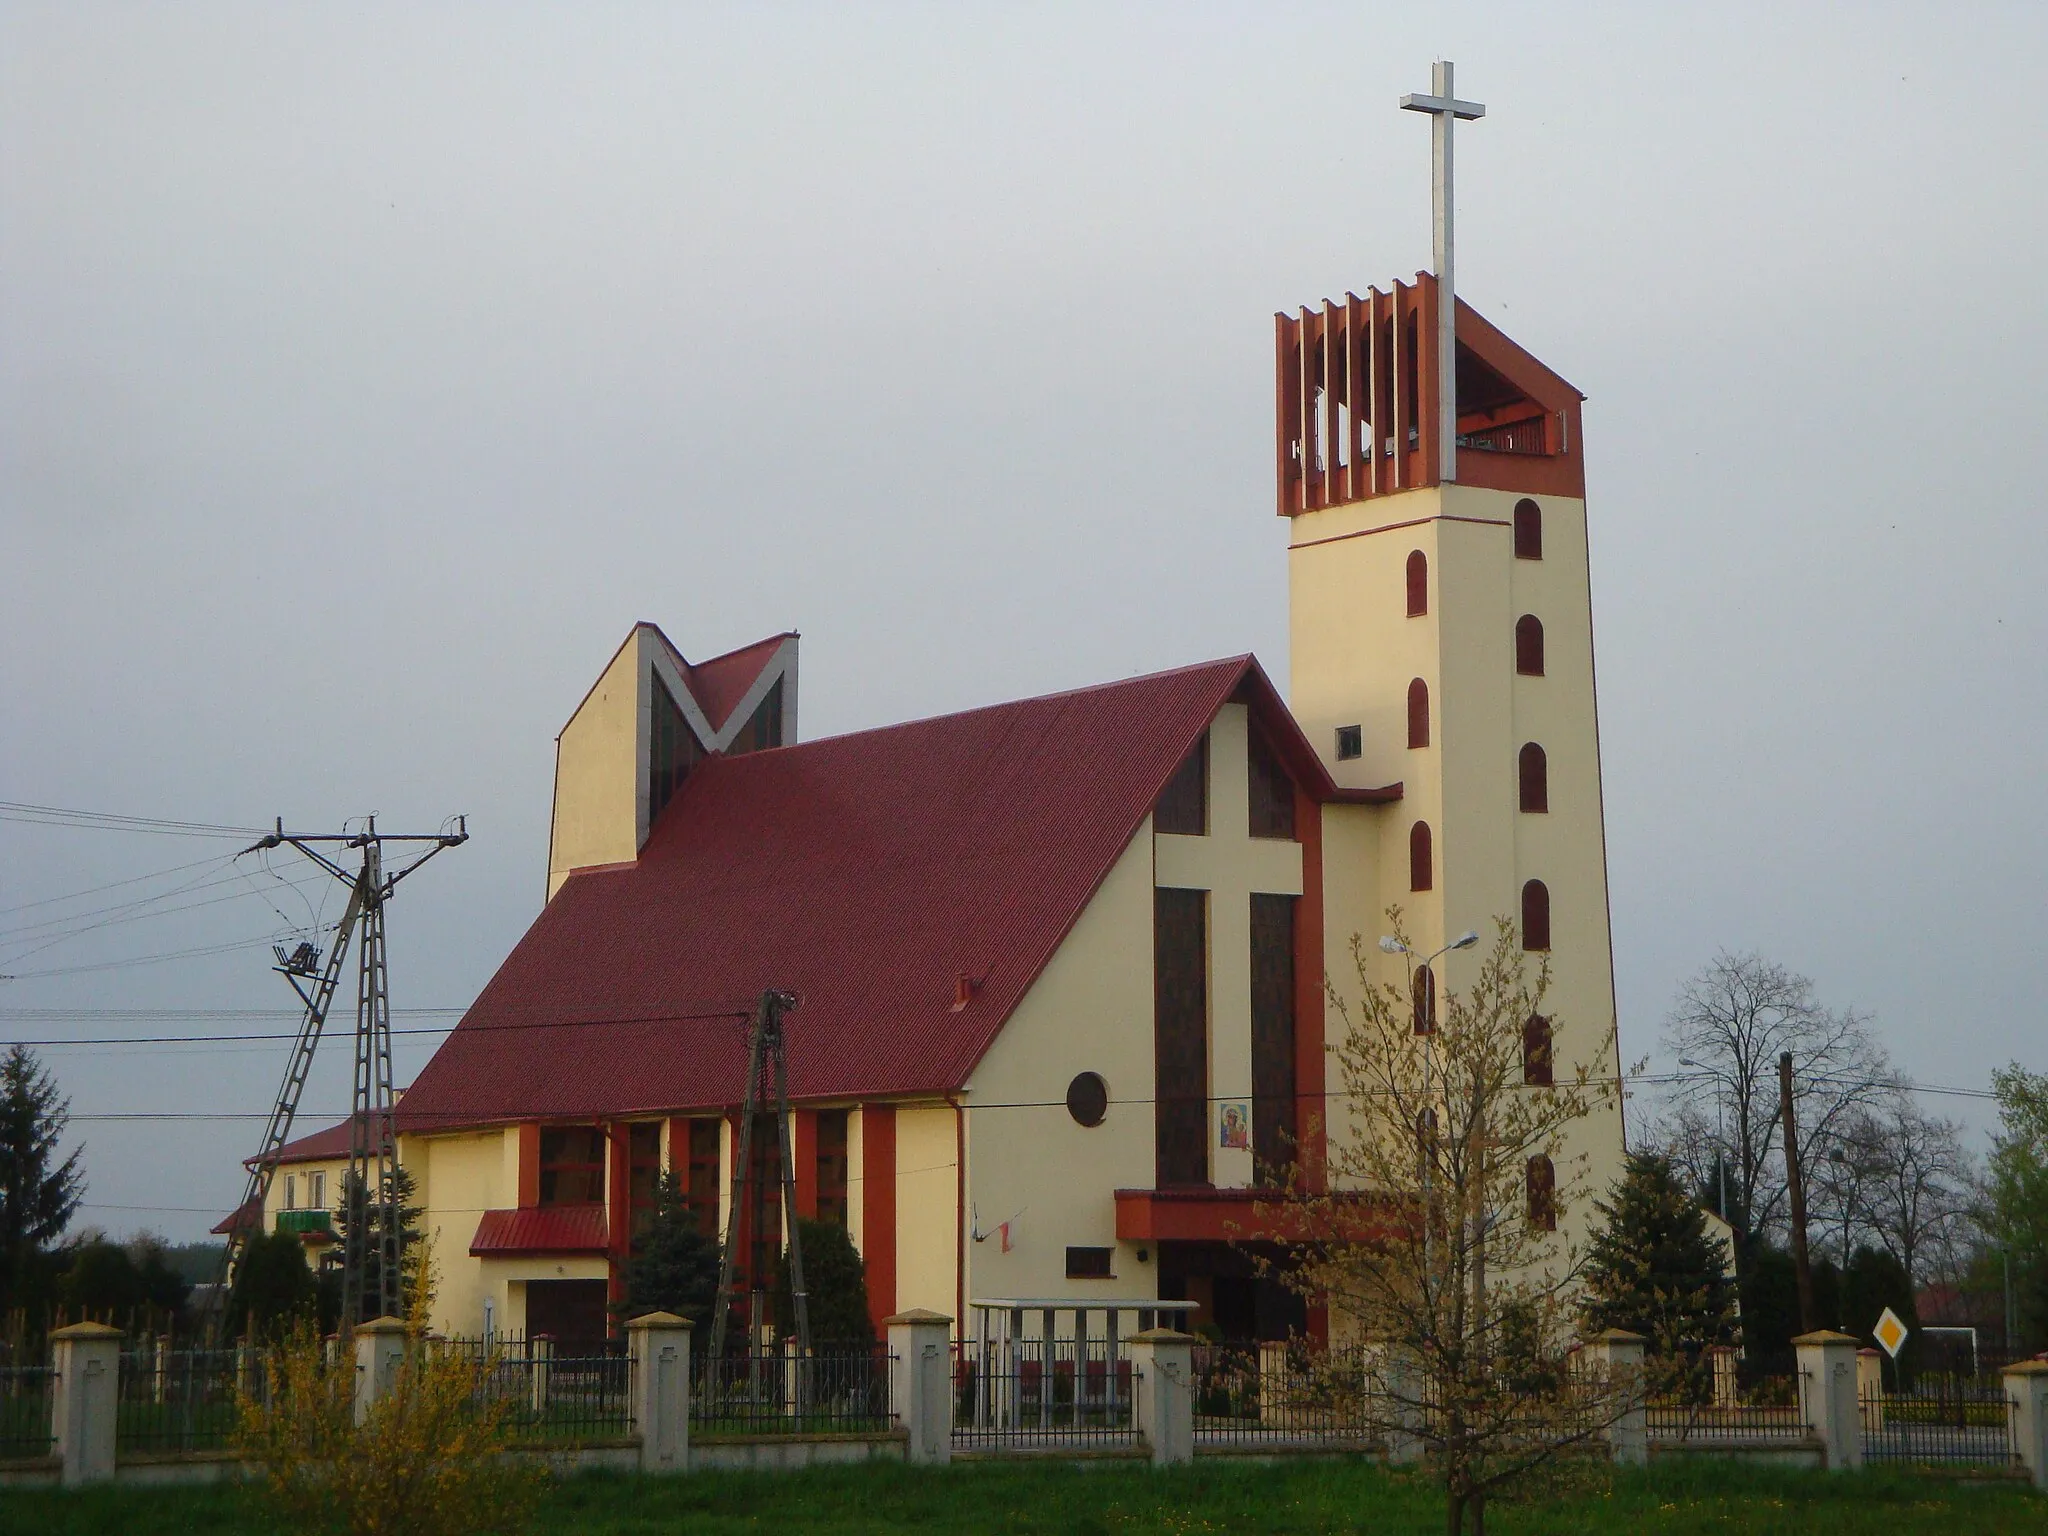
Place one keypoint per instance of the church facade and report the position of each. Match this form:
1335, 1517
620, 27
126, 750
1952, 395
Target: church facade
1058, 964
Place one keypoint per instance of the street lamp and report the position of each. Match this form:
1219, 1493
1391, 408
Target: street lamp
1720, 1136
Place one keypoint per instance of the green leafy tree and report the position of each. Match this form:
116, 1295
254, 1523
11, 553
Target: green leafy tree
101, 1283
164, 1289
674, 1267
351, 1213
2018, 1190
38, 1194
273, 1287
1654, 1269
835, 1288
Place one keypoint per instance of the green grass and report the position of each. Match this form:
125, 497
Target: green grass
1291, 1496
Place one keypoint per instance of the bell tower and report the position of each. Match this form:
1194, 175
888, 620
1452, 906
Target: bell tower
1441, 625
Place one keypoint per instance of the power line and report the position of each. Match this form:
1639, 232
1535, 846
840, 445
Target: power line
42, 941
94, 890
112, 821
120, 965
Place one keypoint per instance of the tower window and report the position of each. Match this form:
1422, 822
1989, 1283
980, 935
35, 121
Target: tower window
1541, 1177
833, 1167
1350, 743
1528, 530
672, 750
1424, 989
1421, 863
1418, 584
1184, 803
1418, 714
571, 1165
1536, 1069
1535, 776
1535, 915
1529, 645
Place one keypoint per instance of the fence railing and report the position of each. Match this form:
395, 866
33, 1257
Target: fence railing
545, 1395
1020, 1394
182, 1399
25, 1411
834, 1390
1767, 1408
1943, 1421
1272, 1393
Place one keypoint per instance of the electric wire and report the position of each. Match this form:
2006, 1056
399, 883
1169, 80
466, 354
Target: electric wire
94, 890
114, 821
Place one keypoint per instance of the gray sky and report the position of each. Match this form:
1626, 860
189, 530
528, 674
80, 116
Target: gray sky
366, 371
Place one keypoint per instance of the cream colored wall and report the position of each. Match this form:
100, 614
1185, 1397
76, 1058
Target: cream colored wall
599, 770
1090, 1011
1354, 653
927, 1195
460, 1177
273, 1202
1351, 891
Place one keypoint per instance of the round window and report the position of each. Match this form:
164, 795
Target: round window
1088, 1099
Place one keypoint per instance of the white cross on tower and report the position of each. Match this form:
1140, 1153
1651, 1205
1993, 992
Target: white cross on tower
1444, 109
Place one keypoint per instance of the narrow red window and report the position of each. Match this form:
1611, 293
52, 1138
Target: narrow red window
1421, 859
1535, 915
1418, 714
1535, 777
1418, 584
1529, 645
1536, 1070
1528, 530
1541, 1177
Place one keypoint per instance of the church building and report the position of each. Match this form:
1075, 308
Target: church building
1058, 964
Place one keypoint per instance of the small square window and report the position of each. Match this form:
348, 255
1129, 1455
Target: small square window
1090, 1263
1350, 742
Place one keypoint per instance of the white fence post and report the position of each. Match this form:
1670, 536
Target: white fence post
1163, 1361
380, 1348
1401, 1385
85, 1399
659, 1345
1827, 1395
540, 1354
2026, 1389
1618, 1355
1727, 1386
1870, 1387
921, 1383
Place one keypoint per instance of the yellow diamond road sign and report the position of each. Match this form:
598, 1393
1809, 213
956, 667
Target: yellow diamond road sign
1891, 1333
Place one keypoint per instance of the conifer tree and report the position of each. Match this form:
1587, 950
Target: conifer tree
835, 1288
355, 1208
1653, 1268
38, 1194
674, 1267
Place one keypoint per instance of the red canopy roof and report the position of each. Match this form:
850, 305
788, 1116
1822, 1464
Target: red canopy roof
547, 1230
867, 873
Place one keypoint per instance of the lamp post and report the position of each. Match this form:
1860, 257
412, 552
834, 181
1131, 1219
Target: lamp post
1720, 1137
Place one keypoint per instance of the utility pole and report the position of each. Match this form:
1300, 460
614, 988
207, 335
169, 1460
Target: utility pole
767, 1077
373, 1145
1796, 1186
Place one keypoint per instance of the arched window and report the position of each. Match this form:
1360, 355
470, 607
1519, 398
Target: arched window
1535, 915
1418, 714
1529, 645
1541, 1178
1421, 863
1535, 774
1528, 530
1536, 1051
1418, 584
1425, 1001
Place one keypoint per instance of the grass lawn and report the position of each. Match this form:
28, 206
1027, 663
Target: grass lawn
1293, 1496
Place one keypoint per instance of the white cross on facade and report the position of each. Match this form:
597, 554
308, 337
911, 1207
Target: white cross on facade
1444, 109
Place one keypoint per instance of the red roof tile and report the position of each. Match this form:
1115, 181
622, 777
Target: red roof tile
319, 1147
866, 873
547, 1230
244, 1217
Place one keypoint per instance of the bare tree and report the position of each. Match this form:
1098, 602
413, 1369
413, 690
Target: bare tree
1732, 1021
1440, 1243
1916, 1179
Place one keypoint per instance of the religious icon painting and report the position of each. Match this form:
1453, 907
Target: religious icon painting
1234, 1128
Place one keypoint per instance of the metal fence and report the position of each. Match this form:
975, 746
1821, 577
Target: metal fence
1942, 1421
25, 1411
545, 1395
1276, 1393
1041, 1394
1764, 1408
834, 1390
183, 1399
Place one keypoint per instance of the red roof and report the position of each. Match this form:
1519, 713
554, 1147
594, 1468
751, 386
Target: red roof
247, 1215
547, 1230
322, 1146
866, 873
